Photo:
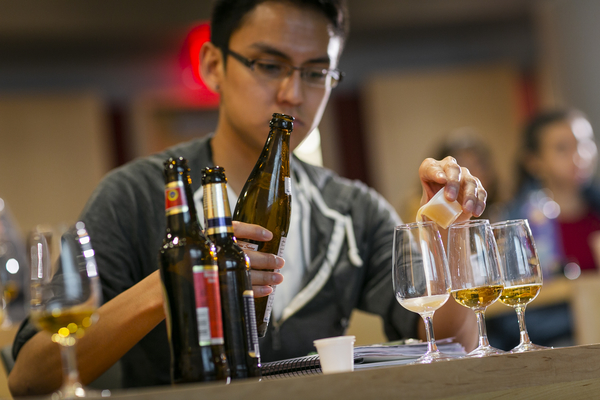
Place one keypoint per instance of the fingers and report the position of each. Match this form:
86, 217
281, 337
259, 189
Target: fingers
472, 194
458, 182
261, 291
261, 281
264, 272
454, 175
264, 278
432, 176
242, 230
437, 174
263, 261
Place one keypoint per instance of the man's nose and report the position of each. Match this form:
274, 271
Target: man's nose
291, 90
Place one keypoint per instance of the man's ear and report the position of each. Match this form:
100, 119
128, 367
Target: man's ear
211, 66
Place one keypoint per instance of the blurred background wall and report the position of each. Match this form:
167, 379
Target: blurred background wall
88, 86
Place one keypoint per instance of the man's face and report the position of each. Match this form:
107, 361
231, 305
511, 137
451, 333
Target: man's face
567, 156
285, 33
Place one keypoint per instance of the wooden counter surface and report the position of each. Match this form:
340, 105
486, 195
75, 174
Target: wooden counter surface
564, 373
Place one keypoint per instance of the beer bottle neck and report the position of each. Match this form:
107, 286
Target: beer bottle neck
276, 153
195, 224
217, 213
277, 138
177, 209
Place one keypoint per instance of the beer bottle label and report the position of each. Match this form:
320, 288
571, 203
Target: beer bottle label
271, 299
247, 246
202, 309
252, 335
211, 283
216, 210
281, 246
288, 185
269, 306
175, 199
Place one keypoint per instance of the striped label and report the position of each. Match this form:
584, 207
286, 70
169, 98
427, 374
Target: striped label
251, 333
216, 209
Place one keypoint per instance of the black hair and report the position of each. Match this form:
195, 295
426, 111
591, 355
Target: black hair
227, 16
533, 131
532, 139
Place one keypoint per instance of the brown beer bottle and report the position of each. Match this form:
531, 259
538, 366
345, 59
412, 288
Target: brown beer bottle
266, 200
190, 282
237, 297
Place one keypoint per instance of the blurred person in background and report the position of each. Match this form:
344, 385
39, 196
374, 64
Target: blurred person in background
557, 195
556, 192
14, 275
264, 57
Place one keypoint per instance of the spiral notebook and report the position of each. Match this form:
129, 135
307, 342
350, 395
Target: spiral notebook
299, 366
379, 355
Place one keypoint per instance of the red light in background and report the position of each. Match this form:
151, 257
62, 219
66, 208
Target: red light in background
190, 63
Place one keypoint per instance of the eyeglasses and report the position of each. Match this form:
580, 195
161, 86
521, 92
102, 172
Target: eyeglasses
275, 70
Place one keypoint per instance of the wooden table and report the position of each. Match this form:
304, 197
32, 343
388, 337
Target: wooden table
565, 373
6, 338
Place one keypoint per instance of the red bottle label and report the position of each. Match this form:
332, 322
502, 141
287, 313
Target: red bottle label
202, 310
175, 200
208, 301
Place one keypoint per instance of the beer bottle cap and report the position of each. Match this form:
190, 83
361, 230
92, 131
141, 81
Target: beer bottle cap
282, 121
177, 163
213, 175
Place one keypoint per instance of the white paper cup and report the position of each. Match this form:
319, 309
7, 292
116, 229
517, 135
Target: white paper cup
440, 210
336, 354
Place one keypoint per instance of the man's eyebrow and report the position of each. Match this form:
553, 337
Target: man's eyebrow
265, 48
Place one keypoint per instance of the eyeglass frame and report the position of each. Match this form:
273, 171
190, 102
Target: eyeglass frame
249, 62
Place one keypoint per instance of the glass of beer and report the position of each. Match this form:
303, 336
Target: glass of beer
521, 270
475, 274
420, 277
64, 302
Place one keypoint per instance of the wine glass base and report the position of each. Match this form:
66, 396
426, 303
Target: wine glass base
484, 351
435, 356
79, 392
523, 347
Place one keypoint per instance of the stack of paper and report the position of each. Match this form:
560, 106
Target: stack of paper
394, 354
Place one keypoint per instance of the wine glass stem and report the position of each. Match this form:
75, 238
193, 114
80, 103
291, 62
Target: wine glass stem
70, 372
483, 339
431, 346
522, 328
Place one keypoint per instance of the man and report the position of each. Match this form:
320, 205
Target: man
265, 57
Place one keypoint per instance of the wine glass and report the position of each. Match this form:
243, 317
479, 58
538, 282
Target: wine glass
420, 272
64, 303
521, 270
476, 278
13, 276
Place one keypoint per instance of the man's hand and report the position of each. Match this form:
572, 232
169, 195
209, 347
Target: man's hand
458, 182
260, 262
